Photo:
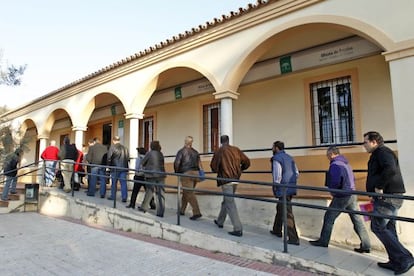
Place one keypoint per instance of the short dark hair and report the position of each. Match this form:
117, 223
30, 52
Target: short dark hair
224, 139
155, 145
141, 150
333, 149
375, 136
279, 144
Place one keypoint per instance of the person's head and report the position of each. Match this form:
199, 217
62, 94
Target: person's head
52, 143
96, 140
91, 142
332, 152
66, 140
372, 140
188, 141
116, 140
278, 146
155, 145
141, 151
224, 139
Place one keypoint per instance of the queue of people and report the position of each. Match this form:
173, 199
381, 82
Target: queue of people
384, 177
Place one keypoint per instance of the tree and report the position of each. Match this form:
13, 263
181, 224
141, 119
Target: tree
11, 74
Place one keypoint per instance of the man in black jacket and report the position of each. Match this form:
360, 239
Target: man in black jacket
118, 159
384, 177
10, 171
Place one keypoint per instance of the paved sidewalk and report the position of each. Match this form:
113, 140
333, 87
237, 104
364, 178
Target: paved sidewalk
343, 260
33, 244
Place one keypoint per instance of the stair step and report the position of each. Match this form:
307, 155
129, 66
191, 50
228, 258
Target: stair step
4, 203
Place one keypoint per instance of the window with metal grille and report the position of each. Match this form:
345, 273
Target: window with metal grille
331, 107
211, 127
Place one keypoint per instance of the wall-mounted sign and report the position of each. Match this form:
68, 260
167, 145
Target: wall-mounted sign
121, 124
177, 93
113, 110
285, 65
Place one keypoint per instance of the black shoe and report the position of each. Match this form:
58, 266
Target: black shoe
124, 200
90, 195
160, 215
293, 242
141, 209
195, 217
318, 243
182, 213
387, 265
130, 206
275, 233
152, 206
109, 198
218, 225
236, 233
102, 196
404, 268
362, 250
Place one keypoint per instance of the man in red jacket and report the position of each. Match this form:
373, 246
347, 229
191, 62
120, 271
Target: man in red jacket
50, 158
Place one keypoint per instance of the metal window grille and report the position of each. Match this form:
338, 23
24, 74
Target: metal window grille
332, 117
211, 127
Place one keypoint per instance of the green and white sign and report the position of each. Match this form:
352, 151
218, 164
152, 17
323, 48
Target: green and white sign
285, 64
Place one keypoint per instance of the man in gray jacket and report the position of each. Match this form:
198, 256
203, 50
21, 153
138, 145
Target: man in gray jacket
95, 156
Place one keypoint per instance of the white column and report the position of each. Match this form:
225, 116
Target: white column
403, 99
226, 118
133, 136
42, 144
226, 114
401, 69
79, 130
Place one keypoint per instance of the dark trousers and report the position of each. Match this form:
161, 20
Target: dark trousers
138, 183
277, 225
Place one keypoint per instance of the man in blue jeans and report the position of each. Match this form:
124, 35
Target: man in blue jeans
95, 156
118, 158
10, 171
340, 176
384, 177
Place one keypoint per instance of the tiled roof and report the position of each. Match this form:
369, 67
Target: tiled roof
168, 42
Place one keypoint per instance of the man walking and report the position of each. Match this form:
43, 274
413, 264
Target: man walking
384, 177
340, 176
187, 161
118, 157
229, 162
284, 172
95, 156
50, 156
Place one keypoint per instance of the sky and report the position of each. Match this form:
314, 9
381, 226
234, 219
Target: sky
62, 41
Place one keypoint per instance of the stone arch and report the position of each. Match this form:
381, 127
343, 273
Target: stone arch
342, 24
142, 97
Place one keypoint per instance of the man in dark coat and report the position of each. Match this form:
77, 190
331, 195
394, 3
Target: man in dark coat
384, 177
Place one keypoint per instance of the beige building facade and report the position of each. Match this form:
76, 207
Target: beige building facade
307, 72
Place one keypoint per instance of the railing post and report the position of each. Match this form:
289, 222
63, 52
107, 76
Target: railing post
285, 231
178, 200
43, 174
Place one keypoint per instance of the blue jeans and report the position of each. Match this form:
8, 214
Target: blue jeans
121, 176
97, 172
50, 169
347, 203
384, 229
11, 181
